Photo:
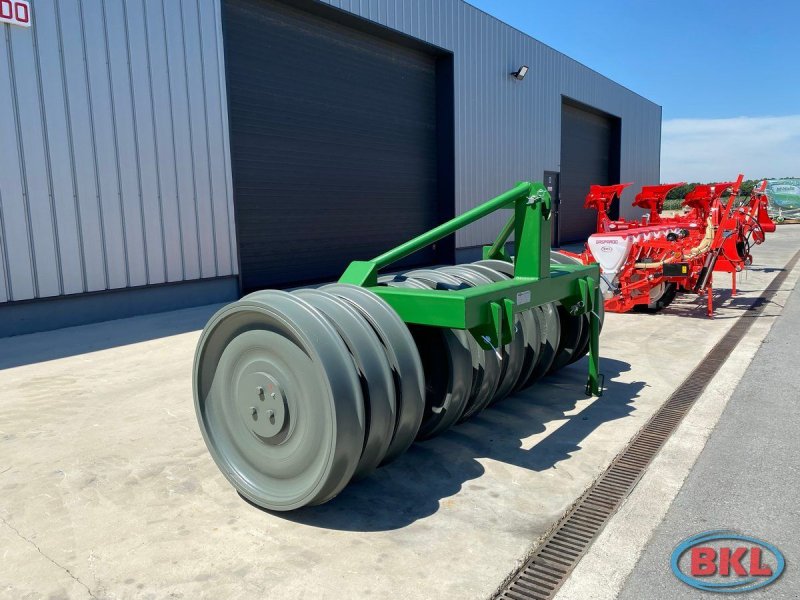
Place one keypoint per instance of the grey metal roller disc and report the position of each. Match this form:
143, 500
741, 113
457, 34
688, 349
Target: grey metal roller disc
549, 326
404, 361
374, 373
526, 323
492, 274
447, 362
466, 275
583, 343
447, 359
548, 322
583, 349
516, 357
512, 362
501, 266
533, 342
563, 259
485, 378
437, 279
572, 327
402, 281
278, 401
485, 363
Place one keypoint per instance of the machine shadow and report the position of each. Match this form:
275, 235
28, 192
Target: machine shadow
414, 486
766, 269
735, 306
32, 348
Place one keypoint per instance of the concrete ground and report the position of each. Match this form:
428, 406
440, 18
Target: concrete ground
604, 570
107, 490
748, 475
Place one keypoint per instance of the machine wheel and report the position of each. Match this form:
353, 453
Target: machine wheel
437, 279
448, 358
278, 401
550, 326
572, 331
669, 295
501, 266
583, 343
571, 327
375, 376
404, 361
527, 323
447, 362
584, 349
545, 322
660, 303
485, 363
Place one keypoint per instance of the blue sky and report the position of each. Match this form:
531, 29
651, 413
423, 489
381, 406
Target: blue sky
727, 74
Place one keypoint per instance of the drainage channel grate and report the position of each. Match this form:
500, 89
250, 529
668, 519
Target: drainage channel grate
544, 573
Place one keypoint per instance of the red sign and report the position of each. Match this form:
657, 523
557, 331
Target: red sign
705, 559
15, 12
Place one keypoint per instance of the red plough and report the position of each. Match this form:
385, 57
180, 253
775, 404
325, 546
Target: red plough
645, 263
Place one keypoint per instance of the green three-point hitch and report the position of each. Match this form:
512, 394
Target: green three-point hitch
299, 393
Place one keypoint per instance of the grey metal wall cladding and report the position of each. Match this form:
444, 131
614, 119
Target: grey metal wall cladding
114, 167
507, 130
333, 143
586, 158
113, 154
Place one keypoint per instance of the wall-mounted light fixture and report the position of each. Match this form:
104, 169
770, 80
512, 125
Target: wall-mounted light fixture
520, 73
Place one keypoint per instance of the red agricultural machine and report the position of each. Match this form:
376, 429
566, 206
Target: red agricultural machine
645, 263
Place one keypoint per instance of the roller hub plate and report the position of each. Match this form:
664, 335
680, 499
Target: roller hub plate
278, 401
260, 398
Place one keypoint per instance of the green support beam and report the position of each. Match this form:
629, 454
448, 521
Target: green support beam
488, 311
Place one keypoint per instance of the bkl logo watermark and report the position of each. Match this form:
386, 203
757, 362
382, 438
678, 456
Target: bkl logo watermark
726, 561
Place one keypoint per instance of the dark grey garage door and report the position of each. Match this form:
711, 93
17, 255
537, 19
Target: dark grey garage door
589, 154
333, 142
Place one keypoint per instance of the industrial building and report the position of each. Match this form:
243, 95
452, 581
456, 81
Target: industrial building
158, 154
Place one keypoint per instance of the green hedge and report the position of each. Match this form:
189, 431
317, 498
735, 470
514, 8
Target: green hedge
675, 203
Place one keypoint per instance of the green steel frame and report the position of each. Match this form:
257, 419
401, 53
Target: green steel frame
488, 311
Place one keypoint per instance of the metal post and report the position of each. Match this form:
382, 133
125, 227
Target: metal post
710, 297
497, 248
532, 234
594, 386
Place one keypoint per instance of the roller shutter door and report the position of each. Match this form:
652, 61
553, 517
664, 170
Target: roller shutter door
587, 146
333, 143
